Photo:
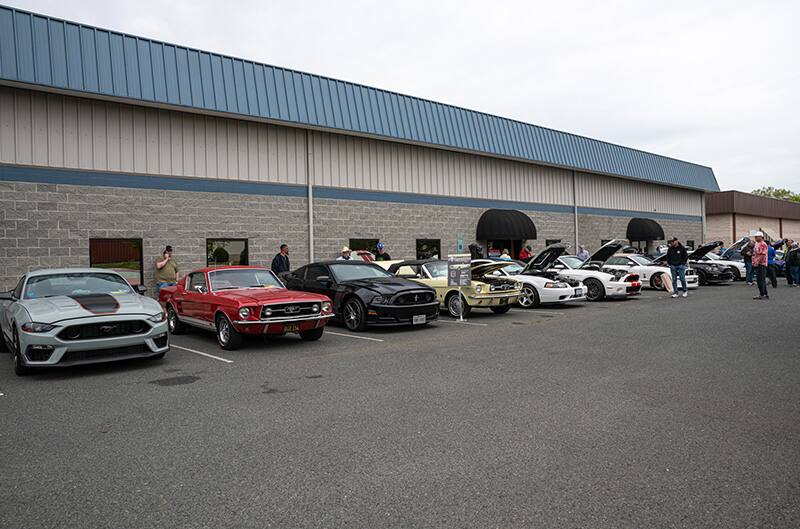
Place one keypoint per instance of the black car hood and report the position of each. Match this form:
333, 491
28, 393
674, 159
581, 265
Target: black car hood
388, 285
701, 252
545, 258
604, 253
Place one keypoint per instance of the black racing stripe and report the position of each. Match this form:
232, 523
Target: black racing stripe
97, 303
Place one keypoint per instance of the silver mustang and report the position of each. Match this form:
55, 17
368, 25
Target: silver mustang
79, 316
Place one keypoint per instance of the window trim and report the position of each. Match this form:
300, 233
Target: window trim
229, 239
141, 253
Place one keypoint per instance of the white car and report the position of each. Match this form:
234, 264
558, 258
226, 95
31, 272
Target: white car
737, 267
74, 316
537, 287
652, 275
599, 284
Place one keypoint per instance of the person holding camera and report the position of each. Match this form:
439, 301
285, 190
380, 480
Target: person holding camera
166, 270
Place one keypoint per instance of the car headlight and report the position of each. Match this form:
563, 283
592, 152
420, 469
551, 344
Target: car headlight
157, 318
380, 300
479, 288
326, 306
244, 313
37, 327
518, 285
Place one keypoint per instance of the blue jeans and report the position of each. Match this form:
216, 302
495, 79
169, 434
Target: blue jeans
748, 267
159, 286
794, 270
678, 271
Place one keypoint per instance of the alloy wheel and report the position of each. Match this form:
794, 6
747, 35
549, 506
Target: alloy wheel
454, 305
172, 318
527, 297
223, 331
353, 315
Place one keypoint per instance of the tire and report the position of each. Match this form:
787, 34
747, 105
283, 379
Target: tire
594, 289
20, 369
701, 278
312, 335
529, 297
173, 323
227, 336
500, 309
657, 282
354, 315
737, 276
454, 305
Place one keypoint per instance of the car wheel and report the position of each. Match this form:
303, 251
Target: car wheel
355, 315
657, 282
701, 278
20, 369
736, 275
501, 309
456, 304
313, 334
227, 336
529, 297
594, 289
173, 323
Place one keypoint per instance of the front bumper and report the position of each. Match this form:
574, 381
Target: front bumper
401, 314
35, 346
282, 325
493, 300
620, 289
719, 277
561, 295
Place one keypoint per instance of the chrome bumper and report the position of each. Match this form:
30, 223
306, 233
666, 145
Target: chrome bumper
285, 319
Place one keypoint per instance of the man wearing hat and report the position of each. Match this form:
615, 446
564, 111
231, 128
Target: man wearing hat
345, 256
166, 270
677, 258
760, 262
382, 254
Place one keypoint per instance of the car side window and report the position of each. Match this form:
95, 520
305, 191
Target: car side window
195, 280
618, 261
314, 271
18, 288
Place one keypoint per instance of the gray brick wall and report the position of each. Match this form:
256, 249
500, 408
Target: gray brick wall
592, 229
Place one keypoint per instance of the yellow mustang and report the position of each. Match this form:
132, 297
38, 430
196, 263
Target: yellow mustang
495, 293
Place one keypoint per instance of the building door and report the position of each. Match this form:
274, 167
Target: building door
495, 248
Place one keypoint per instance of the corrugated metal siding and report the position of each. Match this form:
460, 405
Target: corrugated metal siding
595, 191
61, 131
44, 51
349, 162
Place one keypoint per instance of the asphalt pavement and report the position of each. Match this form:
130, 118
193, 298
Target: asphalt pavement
643, 413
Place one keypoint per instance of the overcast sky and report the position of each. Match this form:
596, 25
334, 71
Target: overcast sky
711, 82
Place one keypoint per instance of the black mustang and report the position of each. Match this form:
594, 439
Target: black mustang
707, 271
366, 294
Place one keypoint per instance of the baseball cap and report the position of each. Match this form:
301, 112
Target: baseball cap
758, 234
381, 246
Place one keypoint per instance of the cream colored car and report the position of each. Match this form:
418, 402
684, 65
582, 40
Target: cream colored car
497, 294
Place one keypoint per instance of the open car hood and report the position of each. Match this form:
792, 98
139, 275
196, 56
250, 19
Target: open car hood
737, 246
604, 253
480, 270
546, 258
700, 252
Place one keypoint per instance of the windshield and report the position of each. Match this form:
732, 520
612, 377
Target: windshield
350, 272
75, 285
641, 260
513, 269
243, 278
712, 257
572, 262
437, 269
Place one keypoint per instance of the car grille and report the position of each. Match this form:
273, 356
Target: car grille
91, 331
414, 298
503, 285
570, 282
74, 356
287, 310
161, 341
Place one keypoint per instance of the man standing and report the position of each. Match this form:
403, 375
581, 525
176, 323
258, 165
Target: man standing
772, 268
747, 255
583, 254
787, 272
525, 254
382, 254
166, 270
793, 263
760, 260
345, 255
677, 258
280, 263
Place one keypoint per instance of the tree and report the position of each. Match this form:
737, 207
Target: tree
777, 192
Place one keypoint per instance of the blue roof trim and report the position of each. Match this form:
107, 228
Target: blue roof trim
34, 49
45, 175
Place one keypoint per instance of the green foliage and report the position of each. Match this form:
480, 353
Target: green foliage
776, 192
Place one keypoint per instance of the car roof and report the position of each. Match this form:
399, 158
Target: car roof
51, 271
228, 267
348, 262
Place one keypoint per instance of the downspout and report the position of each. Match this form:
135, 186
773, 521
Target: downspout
310, 204
703, 218
575, 210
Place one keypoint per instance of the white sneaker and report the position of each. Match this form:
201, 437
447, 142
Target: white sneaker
685, 294
675, 295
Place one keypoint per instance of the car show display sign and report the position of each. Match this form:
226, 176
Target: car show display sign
458, 270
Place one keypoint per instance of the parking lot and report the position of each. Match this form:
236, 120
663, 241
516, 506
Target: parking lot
647, 412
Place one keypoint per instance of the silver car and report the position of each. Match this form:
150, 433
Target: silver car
79, 316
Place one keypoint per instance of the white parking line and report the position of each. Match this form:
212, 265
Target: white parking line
202, 353
2, 394
459, 322
354, 336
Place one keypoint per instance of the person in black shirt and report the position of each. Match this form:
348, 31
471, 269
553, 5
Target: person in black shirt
382, 254
677, 258
280, 263
747, 256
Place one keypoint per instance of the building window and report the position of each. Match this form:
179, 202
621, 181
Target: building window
370, 245
123, 256
222, 252
548, 242
429, 248
689, 244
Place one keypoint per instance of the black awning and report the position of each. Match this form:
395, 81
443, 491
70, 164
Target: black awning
505, 224
645, 230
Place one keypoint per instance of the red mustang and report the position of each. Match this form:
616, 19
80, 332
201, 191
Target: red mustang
237, 300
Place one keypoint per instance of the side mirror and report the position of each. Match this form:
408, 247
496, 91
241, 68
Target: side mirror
325, 280
141, 289
7, 296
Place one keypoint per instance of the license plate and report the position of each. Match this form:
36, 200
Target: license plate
418, 319
578, 291
503, 301
292, 327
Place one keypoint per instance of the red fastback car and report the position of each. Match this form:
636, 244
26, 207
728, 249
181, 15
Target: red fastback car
238, 300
